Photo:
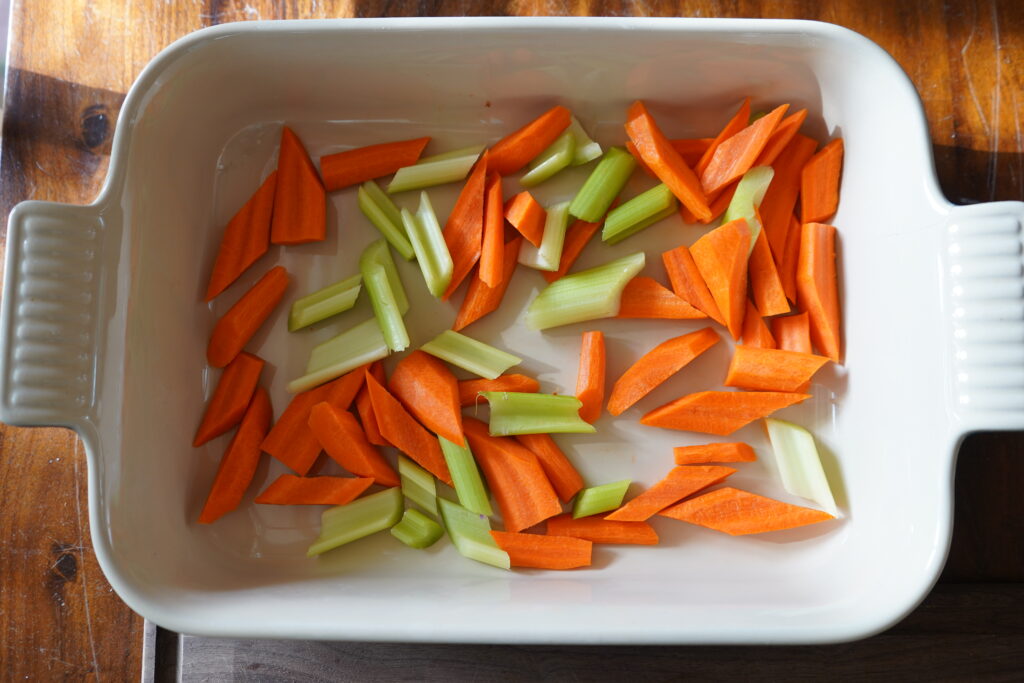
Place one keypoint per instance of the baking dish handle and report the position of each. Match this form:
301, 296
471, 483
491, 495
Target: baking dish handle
985, 305
49, 320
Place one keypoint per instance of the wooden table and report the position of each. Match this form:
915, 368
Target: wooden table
71, 62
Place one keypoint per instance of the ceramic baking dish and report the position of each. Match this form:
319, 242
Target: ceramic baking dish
103, 331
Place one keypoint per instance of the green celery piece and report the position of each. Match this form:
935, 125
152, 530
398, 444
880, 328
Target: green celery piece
586, 148
469, 485
453, 154
586, 295
749, 193
603, 186
384, 215
416, 530
385, 308
418, 484
638, 213
799, 463
548, 256
470, 354
598, 499
378, 252
471, 534
557, 156
324, 303
513, 412
357, 346
364, 516
432, 172
431, 250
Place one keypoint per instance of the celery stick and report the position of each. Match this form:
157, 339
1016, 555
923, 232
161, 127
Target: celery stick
385, 308
418, 484
597, 499
603, 186
416, 530
432, 172
470, 354
452, 154
749, 193
469, 486
324, 303
378, 252
586, 295
799, 463
362, 344
431, 250
362, 517
586, 149
471, 534
384, 215
557, 156
639, 212
520, 413
548, 256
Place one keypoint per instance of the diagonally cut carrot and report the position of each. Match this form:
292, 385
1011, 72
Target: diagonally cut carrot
719, 412
289, 489
493, 247
364, 406
355, 166
464, 229
738, 512
645, 297
765, 285
481, 299
429, 390
714, 452
678, 484
519, 148
596, 529
246, 238
721, 257
544, 552
737, 123
688, 283
691, 149
780, 138
231, 397
755, 332
340, 435
819, 183
793, 333
777, 205
576, 238
300, 202
527, 216
590, 378
565, 479
469, 389
772, 369
236, 327
790, 258
817, 288
737, 155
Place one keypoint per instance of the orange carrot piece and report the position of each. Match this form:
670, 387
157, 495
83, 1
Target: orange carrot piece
718, 202
599, 530
565, 479
819, 183
289, 489
737, 123
544, 552
364, 406
790, 257
719, 412
238, 465
236, 327
739, 512
755, 332
772, 369
527, 216
401, 429
338, 433
737, 155
691, 149
688, 283
817, 289
576, 238
721, 257
231, 397
656, 366
645, 297
784, 132
779, 200
590, 378
245, 239
714, 452
517, 149
355, 166
635, 153
481, 299
300, 201
680, 483
429, 390
793, 333
765, 284
493, 246
659, 155
469, 389
464, 229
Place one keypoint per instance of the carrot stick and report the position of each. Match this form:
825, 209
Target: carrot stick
527, 216
481, 299
793, 333
765, 284
790, 257
657, 365
755, 332
599, 530
645, 297
355, 166
566, 481
289, 489
246, 238
469, 389
590, 378
236, 327
721, 257
231, 397
737, 155
772, 369
678, 484
691, 149
576, 238
737, 123
238, 466
817, 289
714, 452
517, 149
300, 202
738, 512
635, 153
719, 412
429, 390
544, 552
493, 247
464, 229
364, 406
338, 433
819, 183
688, 283
779, 200
718, 202
785, 131
515, 476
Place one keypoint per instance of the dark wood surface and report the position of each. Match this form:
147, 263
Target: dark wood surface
71, 61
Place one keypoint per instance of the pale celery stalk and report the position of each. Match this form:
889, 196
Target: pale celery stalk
520, 413
362, 344
384, 215
603, 186
362, 517
586, 295
470, 354
749, 194
598, 499
378, 252
799, 464
324, 303
586, 148
432, 172
548, 256
641, 211
385, 308
471, 534
469, 485
431, 250
556, 157
416, 530
452, 154
418, 484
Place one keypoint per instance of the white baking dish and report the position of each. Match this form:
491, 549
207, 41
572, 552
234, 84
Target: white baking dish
103, 331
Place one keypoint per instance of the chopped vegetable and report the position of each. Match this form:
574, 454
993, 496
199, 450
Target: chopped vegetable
817, 289
563, 476
645, 297
323, 303
231, 398
492, 249
799, 463
355, 166
377, 253
387, 307
527, 216
781, 137
793, 333
377, 206
590, 378
790, 259
289, 489
471, 534
748, 196
714, 452
470, 354
416, 530
736, 155
517, 149
585, 150
481, 299
559, 155
338, 433
755, 331
738, 512
533, 413
471, 390
719, 412
765, 284
603, 185
772, 369
819, 183
777, 206
549, 254
681, 482
360, 518
464, 229
576, 238
236, 327
429, 390
300, 202
544, 552
427, 241
598, 530
418, 485
721, 258
466, 480
688, 283
598, 499
641, 211
433, 171
586, 295
364, 406
245, 239
737, 123
354, 347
